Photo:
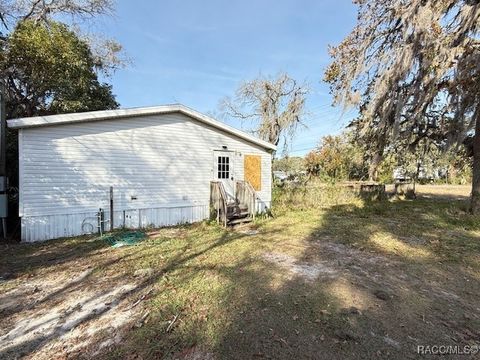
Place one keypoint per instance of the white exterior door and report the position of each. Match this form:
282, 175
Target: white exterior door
223, 169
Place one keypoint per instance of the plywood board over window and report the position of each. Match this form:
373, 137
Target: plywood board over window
253, 171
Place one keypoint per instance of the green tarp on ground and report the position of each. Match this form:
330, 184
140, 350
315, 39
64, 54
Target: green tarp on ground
127, 238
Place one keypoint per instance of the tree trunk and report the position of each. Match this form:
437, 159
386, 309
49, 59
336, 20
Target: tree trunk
475, 200
373, 168
377, 158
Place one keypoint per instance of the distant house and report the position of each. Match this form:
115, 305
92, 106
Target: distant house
280, 175
400, 174
159, 161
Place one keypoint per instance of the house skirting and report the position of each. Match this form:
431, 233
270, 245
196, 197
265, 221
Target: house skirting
54, 226
46, 227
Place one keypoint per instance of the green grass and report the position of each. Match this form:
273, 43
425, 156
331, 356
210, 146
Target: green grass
232, 303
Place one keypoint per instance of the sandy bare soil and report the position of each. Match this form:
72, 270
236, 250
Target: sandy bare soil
66, 310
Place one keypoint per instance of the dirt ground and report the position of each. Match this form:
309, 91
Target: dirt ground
355, 281
452, 192
54, 302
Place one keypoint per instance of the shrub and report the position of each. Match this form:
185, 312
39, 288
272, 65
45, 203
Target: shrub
314, 194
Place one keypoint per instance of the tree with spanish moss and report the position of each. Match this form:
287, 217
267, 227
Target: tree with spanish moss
276, 106
412, 70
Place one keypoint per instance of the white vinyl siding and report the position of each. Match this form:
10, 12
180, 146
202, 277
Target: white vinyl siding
164, 161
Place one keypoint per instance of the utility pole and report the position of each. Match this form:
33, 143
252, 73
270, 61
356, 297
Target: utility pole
3, 167
3, 129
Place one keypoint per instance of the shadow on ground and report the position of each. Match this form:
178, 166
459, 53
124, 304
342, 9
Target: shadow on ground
373, 281
348, 282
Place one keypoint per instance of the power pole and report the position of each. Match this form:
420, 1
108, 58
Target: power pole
3, 129
3, 167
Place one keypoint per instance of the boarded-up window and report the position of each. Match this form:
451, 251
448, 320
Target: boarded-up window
253, 171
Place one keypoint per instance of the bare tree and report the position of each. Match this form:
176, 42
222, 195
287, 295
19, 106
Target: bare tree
275, 105
12, 11
411, 67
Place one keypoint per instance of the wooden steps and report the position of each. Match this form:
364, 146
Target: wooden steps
231, 211
237, 214
244, 220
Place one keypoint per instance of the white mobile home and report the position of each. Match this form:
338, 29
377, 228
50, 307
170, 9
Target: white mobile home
160, 162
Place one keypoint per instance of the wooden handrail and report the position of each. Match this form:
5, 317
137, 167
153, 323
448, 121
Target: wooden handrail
245, 194
253, 196
218, 199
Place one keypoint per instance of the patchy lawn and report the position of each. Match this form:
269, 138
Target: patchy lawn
355, 280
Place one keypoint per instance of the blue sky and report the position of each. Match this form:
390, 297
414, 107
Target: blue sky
198, 52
